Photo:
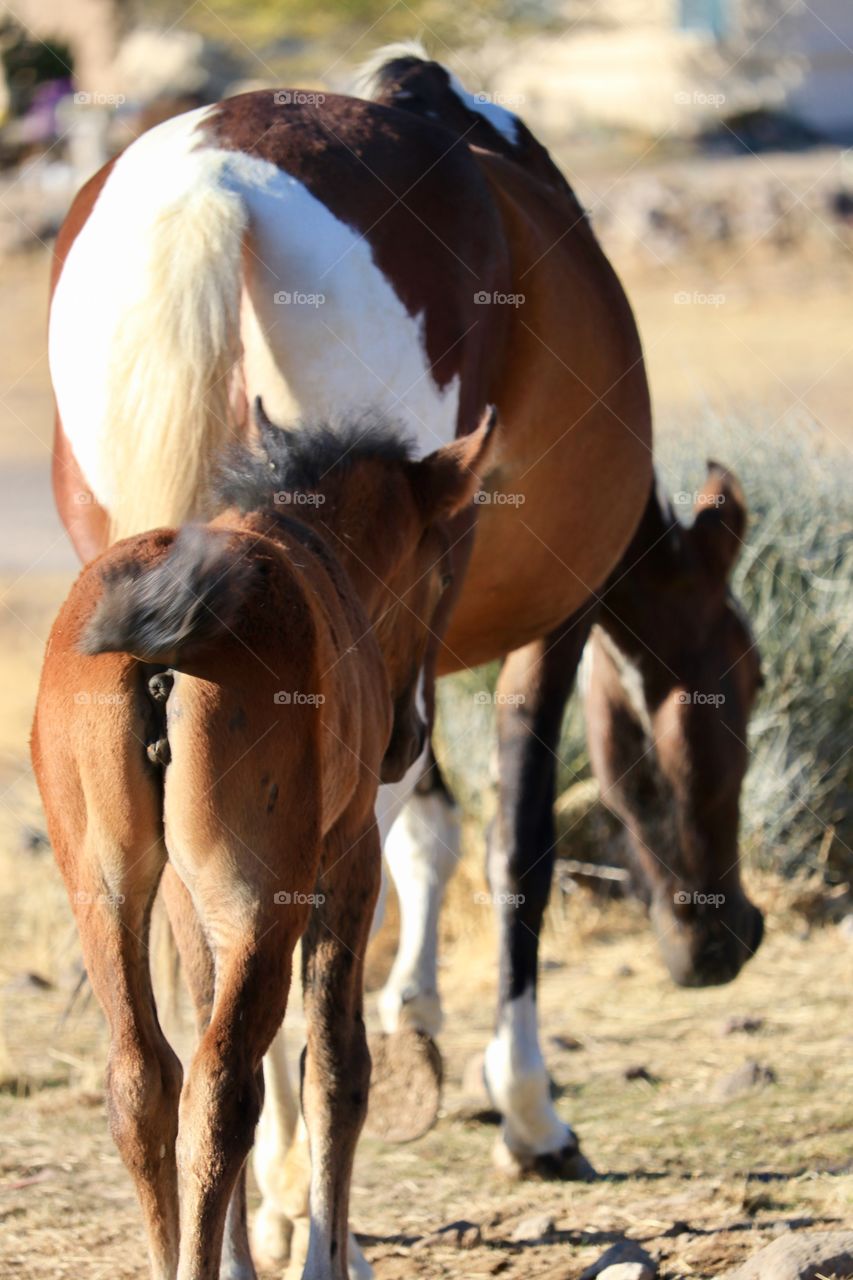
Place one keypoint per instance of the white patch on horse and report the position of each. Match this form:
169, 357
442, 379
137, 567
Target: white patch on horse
630, 678
503, 121
324, 333
519, 1085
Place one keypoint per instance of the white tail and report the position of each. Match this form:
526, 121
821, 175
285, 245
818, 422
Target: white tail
171, 363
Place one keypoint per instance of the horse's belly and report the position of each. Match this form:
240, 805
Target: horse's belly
325, 335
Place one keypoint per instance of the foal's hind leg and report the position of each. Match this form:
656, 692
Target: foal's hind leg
222, 1096
536, 682
337, 1062
143, 1074
198, 969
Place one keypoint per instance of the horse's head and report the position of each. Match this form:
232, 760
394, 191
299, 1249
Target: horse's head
673, 677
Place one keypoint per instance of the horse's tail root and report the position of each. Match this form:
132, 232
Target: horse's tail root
171, 611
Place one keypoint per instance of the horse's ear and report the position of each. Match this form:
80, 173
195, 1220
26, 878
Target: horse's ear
447, 480
720, 523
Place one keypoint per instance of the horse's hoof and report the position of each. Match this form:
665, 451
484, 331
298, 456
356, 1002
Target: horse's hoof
568, 1164
405, 1085
358, 1268
272, 1233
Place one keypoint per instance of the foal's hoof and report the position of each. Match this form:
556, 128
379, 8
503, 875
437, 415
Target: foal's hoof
405, 1085
569, 1164
272, 1234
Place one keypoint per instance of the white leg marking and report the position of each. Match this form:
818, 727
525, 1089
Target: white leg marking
519, 1084
282, 1168
283, 1199
422, 851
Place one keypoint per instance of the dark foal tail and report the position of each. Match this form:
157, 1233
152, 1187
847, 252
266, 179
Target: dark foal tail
164, 613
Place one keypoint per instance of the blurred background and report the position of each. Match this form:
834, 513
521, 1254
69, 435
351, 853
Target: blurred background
710, 141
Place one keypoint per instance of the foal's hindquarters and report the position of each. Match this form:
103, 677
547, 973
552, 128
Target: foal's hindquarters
237, 803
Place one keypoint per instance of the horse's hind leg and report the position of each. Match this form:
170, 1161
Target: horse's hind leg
252, 938
533, 688
143, 1074
337, 1062
198, 968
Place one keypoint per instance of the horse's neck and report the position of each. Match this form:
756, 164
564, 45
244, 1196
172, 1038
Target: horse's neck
634, 601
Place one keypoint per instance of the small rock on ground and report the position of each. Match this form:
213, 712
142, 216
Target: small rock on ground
800, 1256
535, 1227
751, 1075
742, 1022
625, 1254
627, 1271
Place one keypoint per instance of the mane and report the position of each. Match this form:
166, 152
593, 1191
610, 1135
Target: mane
302, 456
376, 71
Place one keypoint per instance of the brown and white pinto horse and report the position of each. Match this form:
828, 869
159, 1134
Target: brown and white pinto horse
421, 254
226, 698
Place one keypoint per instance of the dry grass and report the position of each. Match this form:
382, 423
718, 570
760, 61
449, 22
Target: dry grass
702, 1182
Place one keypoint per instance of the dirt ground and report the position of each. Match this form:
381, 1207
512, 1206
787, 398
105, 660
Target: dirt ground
701, 1179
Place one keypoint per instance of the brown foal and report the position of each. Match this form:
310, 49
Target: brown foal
226, 698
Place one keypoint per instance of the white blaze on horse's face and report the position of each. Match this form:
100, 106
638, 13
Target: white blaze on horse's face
323, 331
